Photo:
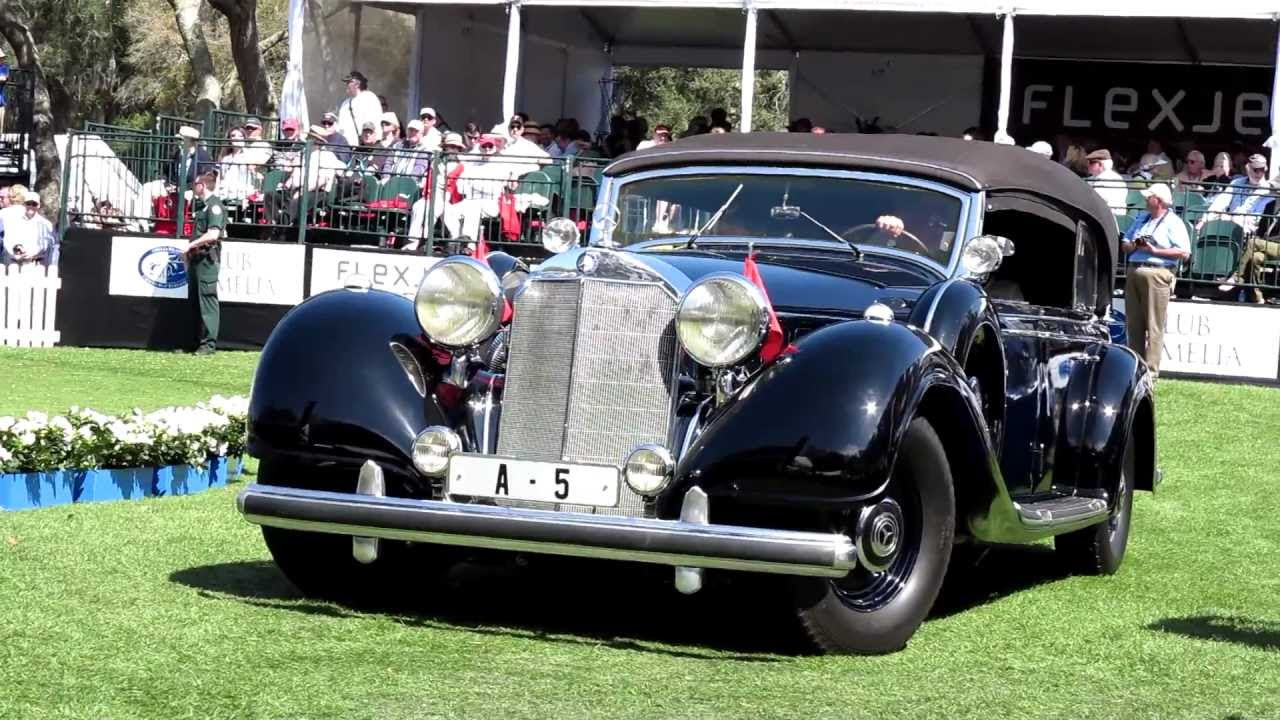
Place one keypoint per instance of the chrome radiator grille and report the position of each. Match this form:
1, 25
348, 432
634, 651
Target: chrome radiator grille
590, 375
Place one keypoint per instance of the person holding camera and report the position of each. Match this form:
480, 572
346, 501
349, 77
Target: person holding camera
1155, 244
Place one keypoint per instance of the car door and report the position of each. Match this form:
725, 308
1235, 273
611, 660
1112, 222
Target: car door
1045, 327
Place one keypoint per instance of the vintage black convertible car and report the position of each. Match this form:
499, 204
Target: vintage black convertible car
832, 358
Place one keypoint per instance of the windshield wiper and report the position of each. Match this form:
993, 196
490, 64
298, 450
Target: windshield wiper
791, 212
713, 219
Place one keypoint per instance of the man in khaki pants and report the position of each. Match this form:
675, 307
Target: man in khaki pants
1155, 243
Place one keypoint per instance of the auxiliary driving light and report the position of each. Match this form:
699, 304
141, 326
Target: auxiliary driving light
648, 469
432, 448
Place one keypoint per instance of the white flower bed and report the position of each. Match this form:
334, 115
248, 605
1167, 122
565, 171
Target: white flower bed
84, 438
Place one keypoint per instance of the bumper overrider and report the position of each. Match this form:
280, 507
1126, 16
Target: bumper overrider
690, 543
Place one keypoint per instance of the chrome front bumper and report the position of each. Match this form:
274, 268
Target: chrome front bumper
666, 542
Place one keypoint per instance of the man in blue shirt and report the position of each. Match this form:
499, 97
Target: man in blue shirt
1155, 244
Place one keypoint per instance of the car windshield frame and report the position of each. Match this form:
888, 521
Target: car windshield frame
965, 228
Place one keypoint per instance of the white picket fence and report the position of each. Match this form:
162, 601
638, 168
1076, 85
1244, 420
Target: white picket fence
28, 305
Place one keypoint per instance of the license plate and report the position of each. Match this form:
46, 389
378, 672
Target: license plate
494, 477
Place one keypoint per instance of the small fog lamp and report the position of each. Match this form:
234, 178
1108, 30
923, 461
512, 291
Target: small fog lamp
648, 469
432, 448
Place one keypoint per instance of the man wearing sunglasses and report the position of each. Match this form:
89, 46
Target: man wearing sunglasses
338, 143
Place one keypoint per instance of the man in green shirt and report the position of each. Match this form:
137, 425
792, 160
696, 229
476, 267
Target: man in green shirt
203, 260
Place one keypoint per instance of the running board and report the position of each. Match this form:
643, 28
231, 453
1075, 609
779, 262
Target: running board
1061, 512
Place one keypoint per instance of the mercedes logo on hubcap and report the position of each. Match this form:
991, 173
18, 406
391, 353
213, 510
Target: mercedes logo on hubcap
884, 535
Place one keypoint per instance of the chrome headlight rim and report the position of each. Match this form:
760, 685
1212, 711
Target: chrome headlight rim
492, 311
758, 329
439, 465
566, 228
663, 458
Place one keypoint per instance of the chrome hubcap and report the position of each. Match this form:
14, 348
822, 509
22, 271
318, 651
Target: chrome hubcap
879, 531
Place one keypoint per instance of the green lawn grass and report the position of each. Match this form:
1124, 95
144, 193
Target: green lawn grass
170, 608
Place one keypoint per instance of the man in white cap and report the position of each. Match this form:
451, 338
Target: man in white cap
1243, 199
189, 160
431, 138
411, 158
1155, 244
28, 237
1041, 147
390, 130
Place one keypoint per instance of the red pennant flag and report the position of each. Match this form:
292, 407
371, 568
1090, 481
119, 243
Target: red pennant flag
773, 337
481, 253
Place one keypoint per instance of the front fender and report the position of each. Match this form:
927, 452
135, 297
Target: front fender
821, 425
1108, 397
330, 388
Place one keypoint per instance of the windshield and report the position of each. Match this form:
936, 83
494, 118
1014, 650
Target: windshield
869, 213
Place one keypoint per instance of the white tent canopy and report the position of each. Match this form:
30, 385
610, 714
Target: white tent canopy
920, 66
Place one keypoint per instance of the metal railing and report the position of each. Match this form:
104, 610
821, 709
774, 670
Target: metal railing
313, 192
220, 121
1234, 232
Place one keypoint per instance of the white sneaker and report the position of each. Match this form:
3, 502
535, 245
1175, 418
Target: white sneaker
1230, 284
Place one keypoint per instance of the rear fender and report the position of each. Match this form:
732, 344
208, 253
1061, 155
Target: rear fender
332, 387
1108, 398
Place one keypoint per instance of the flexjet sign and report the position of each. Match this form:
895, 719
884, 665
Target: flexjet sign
1137, 100
1151, 109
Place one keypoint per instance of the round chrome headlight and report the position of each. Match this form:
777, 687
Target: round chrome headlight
648, 469
459, 302
432, 448
560, 234
722, 319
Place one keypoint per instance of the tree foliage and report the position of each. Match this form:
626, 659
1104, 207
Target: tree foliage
675, 95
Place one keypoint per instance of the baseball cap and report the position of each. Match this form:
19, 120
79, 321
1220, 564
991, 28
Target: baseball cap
369, 126
1102, 154
186, 131
253, 122
1161, 191
330, 116
1041, 147
491, 139
355, 75
452, 139
427, 111
1258, 162
31, 197
289, 124
415, 124
390, 117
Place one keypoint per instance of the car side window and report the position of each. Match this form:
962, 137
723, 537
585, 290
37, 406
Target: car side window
1086, 274
1044, 242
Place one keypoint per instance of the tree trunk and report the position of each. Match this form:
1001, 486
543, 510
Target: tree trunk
321, 24
242, 16
16, 28
190, 27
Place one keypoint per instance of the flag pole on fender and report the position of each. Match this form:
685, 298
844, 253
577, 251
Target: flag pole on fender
481, 252
773, 339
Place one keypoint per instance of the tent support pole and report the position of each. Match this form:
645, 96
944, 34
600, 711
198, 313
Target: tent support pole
1006, 82
1274, 141
748, 68
513, 61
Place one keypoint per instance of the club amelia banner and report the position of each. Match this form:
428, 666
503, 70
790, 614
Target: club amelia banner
252, 272
1220, 339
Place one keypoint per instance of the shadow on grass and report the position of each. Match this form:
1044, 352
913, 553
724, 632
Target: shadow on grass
977, 576
1262, 634
620, 605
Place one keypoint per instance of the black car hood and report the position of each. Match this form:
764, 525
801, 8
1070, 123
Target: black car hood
809, 280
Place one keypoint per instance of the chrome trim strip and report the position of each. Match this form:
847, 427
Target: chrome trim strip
1076, 515
966, 198
933, 306
664, 542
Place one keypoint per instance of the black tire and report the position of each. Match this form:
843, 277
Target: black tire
1099, 549
321, 565
873, 613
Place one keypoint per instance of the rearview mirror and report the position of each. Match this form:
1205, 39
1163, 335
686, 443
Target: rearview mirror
982, 255
784, 212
